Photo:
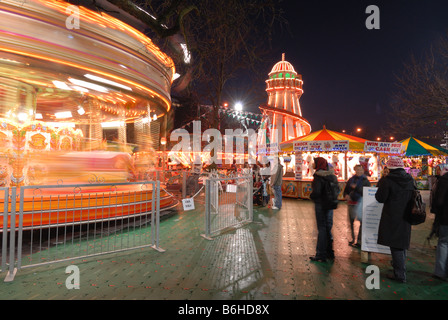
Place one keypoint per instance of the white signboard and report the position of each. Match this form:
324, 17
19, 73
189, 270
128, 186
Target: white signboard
231, 188
371, 216
188, 204
323, 145
383, 147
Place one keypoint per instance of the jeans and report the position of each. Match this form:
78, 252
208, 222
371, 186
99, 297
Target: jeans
324, 219
354, 213
278, 196
399, 263
441, 265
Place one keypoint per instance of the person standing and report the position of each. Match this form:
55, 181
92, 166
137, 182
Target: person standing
324, 216
439, 206
395, 190
276, 184
353, 194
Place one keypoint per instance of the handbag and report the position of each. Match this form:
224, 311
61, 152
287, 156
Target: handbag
418, 209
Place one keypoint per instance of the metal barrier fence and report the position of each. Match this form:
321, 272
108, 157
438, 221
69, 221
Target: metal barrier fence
4, 207
228, 204
57, 223
172, 180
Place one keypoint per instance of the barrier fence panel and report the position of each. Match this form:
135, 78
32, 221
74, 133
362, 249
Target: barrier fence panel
228, 204
174, 181
56, 223
4, 207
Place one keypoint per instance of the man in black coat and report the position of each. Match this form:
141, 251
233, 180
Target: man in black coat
395, 191
324, 216
439, 206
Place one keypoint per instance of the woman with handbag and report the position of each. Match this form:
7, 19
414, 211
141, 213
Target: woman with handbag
396, 192
353, 194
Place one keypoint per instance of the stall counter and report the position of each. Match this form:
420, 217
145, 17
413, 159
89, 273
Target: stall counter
292, 188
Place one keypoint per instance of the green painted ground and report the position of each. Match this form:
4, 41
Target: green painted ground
266, 260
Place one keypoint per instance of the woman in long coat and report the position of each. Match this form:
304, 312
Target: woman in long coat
395, 191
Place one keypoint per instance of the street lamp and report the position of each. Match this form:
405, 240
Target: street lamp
239, 106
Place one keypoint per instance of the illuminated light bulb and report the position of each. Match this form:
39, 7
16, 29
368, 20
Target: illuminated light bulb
61, 124
88, 85
22, 116
80, 89
81, 111
154, 117
61, 85
63, 114
112, 83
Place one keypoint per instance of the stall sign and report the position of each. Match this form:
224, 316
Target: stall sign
324, 145
188, 204
270, 148
383, 147
298, 166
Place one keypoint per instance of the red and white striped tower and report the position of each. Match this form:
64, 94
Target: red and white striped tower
284, 88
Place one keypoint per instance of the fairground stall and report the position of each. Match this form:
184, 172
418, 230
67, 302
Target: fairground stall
421, 160
342, 152
72, 79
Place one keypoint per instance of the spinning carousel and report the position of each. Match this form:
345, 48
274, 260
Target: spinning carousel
67, 88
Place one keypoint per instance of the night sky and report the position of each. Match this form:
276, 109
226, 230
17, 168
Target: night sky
348, 70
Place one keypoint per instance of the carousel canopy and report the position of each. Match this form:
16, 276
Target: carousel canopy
355, 143
415, 147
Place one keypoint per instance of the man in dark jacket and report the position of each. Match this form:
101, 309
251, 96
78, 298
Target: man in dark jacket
276, 184
324, 217
353, 193
395, 191
439, 206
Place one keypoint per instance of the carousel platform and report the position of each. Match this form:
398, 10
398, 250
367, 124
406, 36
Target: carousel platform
265, 260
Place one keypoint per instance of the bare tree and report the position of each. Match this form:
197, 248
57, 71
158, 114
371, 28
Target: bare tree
420, 103
210, 41
227, 38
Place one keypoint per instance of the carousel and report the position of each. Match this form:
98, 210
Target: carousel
72, 79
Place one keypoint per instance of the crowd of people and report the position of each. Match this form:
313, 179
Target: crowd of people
395, 190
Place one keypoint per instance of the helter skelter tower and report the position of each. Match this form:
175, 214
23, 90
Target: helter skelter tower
283, 112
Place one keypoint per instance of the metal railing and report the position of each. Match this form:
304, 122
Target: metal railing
4, 200
57, 223
228, 204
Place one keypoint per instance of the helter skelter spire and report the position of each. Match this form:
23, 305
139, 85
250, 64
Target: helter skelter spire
283, 111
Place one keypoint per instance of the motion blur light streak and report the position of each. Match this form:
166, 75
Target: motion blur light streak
113, 83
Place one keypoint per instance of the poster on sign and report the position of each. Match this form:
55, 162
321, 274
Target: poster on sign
383, 147
321, 146
270, 148
371, 216
188, 204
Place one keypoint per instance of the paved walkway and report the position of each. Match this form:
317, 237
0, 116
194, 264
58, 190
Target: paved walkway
266, 260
